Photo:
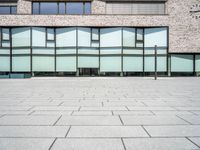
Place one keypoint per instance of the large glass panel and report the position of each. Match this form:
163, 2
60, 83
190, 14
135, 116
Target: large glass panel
66, 63
36, 8
149, 64
5, 34
84, 37
75, 8
21, 64
87, 8
133, 64
38, 37
129, 37
48, 8
43, 63
65, 37
62, 8
156, 36
111, 37
88, 62
4, 59
4, 10
197, 67
181, 63
110, 64
20, 37
13, 10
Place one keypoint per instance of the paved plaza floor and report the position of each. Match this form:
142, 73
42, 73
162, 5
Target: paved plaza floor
100, 113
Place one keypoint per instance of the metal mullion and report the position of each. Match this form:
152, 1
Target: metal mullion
99, 51
194, 64
10, 50
83, 8
122, 65
143, 53
31, 59
55, 49
77, 70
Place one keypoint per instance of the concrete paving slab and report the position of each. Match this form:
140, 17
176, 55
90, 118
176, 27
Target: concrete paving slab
25, 143
196, 140
88, 144
92, 113
152, 120
33, 131
107, 131
159, 144
173, 131
28, 120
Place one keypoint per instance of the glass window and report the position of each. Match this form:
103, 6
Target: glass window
84, 37
129, 37
4, 10
48, 8
61, 8
36, 8
74, 8
13, 10
38, 37
95, 34
87, 8
5, 34
50, 34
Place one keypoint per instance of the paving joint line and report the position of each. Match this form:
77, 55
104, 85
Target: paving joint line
68, 131
192, 142
123, 143
146, 131
121, 119
184, 120
57, 120
52, 144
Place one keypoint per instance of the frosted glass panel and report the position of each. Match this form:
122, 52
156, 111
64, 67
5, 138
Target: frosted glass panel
66, 63
110, 64
182, 63
111, 51
4, 63
43, 51
111, 37
43, 63
20, 37
38, 37
149, 64
88, 62
197, 63
65, 51
155, 36
129, 37
65, 37
21, 51
133, 64
84, 37
5, 51
162, 63
21, 64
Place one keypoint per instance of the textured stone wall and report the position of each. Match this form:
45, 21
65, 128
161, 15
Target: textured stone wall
184, 31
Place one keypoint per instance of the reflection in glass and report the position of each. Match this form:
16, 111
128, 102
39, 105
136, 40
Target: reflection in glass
75, 8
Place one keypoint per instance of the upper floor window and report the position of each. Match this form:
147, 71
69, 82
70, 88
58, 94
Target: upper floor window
135, 8
61, 8
8, 9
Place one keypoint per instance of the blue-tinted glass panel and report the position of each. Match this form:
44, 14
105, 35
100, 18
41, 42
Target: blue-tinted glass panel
36, 8
61, 8
4, 10
48, 8
74, 8
88, 8
13, 10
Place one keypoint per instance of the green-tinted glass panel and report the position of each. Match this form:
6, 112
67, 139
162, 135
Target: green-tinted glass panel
149, 63
84, 37
65, 37
129, 37
20, 37
88, 62
5, 34
161, 63
181, 63
155, 36
110, 64
197, 67
4, 63
38, 37
21, 64
132, 63
111, 50
43, 63
111, 37
66, 63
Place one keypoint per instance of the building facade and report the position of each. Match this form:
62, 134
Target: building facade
99, 37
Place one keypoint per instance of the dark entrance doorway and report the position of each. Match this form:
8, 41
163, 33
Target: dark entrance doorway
88, 71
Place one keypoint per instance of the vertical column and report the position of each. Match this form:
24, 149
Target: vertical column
24, 7
98, 7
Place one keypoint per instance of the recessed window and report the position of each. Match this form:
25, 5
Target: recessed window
135, 8
72, 8
8, 9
